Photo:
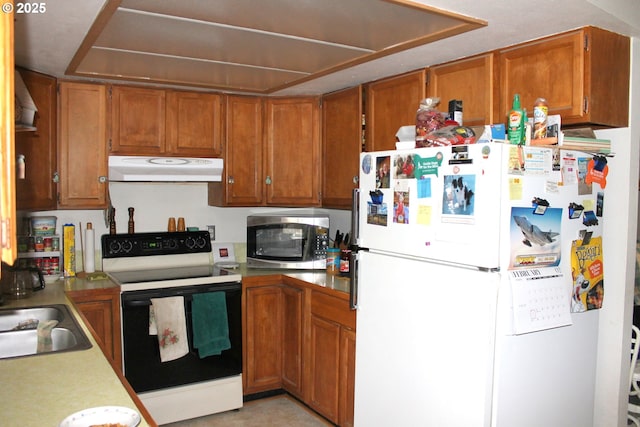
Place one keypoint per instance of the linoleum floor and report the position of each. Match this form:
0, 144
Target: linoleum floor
277, 411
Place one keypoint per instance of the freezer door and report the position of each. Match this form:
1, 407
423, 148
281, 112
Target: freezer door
438, 203
424, 344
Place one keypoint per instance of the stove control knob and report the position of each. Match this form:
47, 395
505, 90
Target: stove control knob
190, 242
200, 242
170, 244
127, 246
114, 247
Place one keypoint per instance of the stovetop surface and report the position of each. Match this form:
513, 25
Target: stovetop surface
173, 277
160, 274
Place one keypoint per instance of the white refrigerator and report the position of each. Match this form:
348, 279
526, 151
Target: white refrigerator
477, 281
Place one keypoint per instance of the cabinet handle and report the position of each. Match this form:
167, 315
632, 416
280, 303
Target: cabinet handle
230, 180
56, 177
102, 179
355, 179
268, 180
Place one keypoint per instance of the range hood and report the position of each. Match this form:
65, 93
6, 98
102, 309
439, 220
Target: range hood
164, 169
24, 105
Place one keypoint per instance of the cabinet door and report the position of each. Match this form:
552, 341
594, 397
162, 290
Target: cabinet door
8, 249
137, 121
341, 145
583, 74
549, 68
470, 80
101, 308
262, 370
347, 376
392, 103
194, 124
38, 189
324, 354
243, 179
292, 324
82, 146
293, 152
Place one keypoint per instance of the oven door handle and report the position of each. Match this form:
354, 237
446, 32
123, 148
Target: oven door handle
136, 303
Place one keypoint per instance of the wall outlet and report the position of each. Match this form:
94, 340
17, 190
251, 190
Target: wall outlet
212, 231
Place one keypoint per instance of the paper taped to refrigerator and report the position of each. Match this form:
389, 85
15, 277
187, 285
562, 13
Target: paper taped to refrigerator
540, 300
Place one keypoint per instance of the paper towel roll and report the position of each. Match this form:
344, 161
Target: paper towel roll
89, 249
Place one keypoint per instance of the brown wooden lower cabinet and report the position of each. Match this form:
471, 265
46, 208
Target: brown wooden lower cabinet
324, 367
101, 308
300, 340
292, 343
331, 364
262, 346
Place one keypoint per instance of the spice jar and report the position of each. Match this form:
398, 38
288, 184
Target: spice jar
39, 245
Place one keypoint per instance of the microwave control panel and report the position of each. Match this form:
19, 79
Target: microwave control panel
321, 244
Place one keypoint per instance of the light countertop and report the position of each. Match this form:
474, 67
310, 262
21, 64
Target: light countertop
42, 390
315, 277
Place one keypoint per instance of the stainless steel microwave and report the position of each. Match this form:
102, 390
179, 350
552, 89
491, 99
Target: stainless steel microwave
296, 241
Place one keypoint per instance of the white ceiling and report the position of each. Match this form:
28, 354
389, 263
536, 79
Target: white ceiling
49, 41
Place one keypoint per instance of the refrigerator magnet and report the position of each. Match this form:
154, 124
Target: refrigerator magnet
589, 218
597, 171
539, 205
575, 210
366, 164
585, 236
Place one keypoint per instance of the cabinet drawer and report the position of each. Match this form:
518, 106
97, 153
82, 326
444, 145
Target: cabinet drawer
333, 309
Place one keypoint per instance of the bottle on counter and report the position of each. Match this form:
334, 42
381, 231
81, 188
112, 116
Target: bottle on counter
345, 257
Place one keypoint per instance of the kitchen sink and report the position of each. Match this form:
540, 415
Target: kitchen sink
21, 318
19, 334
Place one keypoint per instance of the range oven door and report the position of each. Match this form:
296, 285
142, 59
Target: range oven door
142, 366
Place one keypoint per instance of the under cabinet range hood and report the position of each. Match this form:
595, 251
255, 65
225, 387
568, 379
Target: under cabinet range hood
164, 169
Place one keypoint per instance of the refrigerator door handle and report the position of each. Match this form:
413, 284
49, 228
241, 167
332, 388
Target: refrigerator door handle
355, 215
353, 279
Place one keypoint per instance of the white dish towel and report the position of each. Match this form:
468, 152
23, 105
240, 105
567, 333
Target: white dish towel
171, 327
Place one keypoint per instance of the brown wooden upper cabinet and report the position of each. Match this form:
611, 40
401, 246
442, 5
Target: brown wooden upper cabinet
391, 103
163, 122
38, 190
341, 145
243, 180
82, 146
292, 151
272, 153
583, 74
471, 80
194, 124
137, 121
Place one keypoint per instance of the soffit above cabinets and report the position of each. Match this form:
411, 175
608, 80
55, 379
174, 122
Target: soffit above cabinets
250, 46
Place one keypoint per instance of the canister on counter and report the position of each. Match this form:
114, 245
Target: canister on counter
333, 261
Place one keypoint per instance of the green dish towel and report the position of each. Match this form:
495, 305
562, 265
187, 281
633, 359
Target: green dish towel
210, 323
